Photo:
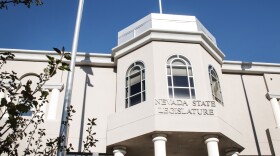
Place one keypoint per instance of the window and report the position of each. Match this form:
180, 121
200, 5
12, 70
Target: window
215, 85
180, 78
135, 84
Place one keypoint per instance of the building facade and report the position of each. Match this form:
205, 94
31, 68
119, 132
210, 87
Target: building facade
166, 90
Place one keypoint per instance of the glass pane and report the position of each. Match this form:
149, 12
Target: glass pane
134, 70
193, 93
169, 81
181, 93
143, 85
214, 79
135, 99
134, 89
178, 62
190, 71
180, 81
214, 73
143, 74
170, 93
140, 64
179, 71
135, 79
143, 96
168, 70
191, 82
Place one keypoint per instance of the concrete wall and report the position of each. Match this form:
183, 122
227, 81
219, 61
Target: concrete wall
94, 94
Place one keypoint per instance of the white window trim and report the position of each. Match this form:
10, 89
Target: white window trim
127, 87
170, 64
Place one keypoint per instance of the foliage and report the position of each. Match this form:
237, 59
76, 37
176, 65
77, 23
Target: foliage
23, 97
28, 3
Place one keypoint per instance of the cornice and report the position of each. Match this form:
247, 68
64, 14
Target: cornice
169, 36
82, 59
250, 67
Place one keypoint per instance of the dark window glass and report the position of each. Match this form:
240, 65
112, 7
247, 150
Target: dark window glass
144, 96
136, 88
180, 81
169, 81
168, 70
181, 93
193, 93
135, 84
191, 82
170, 93
135, 99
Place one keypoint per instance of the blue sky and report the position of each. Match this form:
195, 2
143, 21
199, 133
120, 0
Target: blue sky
246, 30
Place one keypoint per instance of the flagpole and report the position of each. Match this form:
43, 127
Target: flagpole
160, 7
69, 85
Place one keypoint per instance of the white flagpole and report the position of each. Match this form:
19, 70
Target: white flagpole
70, 78
160, 7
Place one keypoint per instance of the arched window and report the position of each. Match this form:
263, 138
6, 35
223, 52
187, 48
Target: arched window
180, 78
215, 85
135, 84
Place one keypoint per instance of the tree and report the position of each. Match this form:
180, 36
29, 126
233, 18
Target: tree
22, 98
28, 3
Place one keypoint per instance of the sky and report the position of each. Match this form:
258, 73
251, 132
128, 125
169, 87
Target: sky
245, 30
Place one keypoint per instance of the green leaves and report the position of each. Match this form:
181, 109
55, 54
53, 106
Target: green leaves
27, 3
57, 50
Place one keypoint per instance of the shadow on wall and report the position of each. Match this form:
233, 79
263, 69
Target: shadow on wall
88, 71
270, 142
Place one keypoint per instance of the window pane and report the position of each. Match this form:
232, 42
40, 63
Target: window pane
190, 71
143, 74
170, 93
143, 85
193, 93
168, 71
181, 93
143, 96
135, 78
178, 62
179, 71
191, 82
135, 99
169, 81
135, 70
135, 88
180, 81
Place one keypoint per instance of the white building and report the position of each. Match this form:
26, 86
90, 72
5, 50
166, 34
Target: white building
166, 90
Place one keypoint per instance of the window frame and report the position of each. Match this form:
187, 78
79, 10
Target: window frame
188, 66
142, 82
211, 76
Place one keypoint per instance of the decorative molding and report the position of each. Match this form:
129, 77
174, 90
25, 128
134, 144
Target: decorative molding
82, 59
269, 96
60, 86
250, 67
169, 36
